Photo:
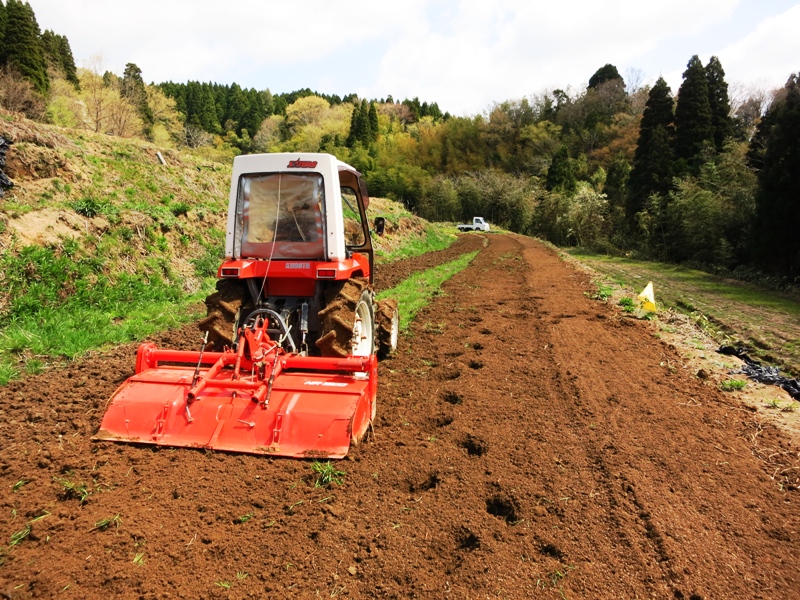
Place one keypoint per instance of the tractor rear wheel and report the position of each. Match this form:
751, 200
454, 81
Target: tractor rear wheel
223, 308
388, 321
348, 322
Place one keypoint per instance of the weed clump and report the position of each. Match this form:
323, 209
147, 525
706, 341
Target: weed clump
79, 491
732, 385
627, 304
326, 474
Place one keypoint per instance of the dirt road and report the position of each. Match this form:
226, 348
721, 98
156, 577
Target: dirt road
530, 443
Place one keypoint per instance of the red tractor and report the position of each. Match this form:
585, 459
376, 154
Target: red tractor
294, 326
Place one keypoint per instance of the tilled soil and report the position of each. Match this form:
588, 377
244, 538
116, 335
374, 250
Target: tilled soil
530, 443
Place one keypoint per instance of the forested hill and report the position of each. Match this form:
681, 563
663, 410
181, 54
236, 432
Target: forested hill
696, 175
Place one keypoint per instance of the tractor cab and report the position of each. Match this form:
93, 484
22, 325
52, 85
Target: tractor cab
288, 209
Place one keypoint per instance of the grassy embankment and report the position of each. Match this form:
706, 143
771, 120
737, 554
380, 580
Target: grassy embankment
101, 245
766, 322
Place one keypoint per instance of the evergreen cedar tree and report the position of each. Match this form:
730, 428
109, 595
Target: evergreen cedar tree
603, 74
373, 121
560, 175
652, 170
616, 186
216, 108
363, 124
720, 104
693, 119
59, 55
3, 22
132, 87
30, 52
776, 241
22, 44
675, 145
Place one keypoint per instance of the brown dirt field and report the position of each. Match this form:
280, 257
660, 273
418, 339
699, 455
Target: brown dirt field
530, 443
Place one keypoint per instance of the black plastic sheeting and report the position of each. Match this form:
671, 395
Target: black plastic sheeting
758, 372
5, 182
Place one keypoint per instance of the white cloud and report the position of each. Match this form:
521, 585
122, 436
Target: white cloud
771, 52
509, 49
462, 54
205, 40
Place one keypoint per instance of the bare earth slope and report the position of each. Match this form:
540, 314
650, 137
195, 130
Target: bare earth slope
530, 443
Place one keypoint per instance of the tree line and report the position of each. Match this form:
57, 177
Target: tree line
697, 177
27, 56
237, 113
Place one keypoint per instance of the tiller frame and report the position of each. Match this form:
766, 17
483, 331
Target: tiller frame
257, 399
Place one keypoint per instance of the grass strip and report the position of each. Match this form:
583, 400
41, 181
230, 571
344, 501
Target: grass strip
416, 292
436, 237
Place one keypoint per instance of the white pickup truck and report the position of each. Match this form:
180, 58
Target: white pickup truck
478, 224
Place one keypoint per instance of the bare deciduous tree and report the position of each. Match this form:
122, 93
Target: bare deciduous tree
194, 136
96, 96
401, 112
634, 80
269, 134
17, 94
106, 111
123, 118
755, 96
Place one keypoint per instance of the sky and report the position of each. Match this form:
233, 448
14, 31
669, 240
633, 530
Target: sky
465, 55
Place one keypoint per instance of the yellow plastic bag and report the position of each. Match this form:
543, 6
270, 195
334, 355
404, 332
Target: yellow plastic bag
647, 301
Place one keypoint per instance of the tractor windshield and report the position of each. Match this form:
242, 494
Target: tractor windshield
279, 215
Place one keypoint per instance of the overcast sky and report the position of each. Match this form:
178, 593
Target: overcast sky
462, 54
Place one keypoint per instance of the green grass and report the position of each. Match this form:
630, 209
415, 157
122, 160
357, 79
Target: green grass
603, 292
104, 524
71, 331
732, 385
416, 292
124, 276
767, 322
636, 274
61, 302
436, 237
327, 474
627, 304
20, 535
72, 489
